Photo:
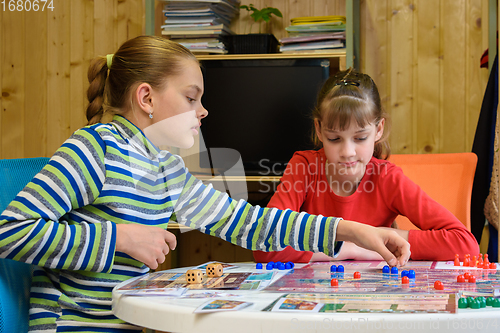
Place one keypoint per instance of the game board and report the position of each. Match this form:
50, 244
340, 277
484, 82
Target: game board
161, 280
377, 303
316, 278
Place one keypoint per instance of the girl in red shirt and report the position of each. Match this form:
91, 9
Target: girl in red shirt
350, 177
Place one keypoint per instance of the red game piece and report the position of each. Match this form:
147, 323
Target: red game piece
493, 265
472, 279
466, 275
438, 285
405, 280
460, 279
480, 261
334, 283
473, 262
357, 275
466, 261
457, 261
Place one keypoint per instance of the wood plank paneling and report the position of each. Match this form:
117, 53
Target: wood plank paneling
58, 72
398, 49
453, 75
400, 53
374, 46
82, 50
427, 79
35, 139
13, 83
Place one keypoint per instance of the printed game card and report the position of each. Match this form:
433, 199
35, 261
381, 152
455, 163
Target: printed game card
224, 265
165, 292
221, 305
296, 305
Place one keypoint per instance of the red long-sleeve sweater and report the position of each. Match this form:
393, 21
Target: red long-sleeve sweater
383, 193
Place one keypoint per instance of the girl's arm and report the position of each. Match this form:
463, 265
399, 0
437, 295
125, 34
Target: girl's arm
291, 194
34, 229
268, 229
37, 228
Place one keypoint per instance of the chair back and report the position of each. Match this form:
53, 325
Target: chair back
447, 178
15, 277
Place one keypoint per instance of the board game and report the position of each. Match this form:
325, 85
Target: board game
363, 286
317, 278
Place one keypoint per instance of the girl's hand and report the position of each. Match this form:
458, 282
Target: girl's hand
147, 244
388, 243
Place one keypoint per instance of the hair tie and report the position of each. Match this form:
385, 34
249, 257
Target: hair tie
109, 59
347, 83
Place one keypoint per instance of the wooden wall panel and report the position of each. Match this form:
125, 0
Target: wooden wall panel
43, 71
58, 74
13, 80
424, 56
427, 77
35, 106
82, 50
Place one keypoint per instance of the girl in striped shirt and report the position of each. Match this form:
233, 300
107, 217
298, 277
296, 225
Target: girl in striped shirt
97, 214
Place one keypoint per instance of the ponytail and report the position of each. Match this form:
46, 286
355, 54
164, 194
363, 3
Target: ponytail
97, 75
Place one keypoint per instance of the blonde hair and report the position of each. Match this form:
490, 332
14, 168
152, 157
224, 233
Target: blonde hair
147, 59
350, 95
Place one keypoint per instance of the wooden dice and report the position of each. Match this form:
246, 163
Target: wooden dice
194, 276
214, 270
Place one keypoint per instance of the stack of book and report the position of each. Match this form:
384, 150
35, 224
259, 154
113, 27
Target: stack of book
314, 34
199, 25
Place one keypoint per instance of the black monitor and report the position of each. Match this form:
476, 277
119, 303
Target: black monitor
260, 108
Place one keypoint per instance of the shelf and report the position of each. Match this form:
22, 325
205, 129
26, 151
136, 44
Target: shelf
239, 178
340, 53
348, 57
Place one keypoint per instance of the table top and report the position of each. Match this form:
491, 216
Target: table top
176, 315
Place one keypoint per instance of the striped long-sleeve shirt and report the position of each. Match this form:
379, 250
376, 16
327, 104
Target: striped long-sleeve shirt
64, 222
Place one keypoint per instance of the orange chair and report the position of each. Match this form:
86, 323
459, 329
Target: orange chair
447, 178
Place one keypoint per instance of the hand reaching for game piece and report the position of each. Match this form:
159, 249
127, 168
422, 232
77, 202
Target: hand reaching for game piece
147, 244
391, 246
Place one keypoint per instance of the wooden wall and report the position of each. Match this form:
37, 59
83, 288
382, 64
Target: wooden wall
44, 58
423, 54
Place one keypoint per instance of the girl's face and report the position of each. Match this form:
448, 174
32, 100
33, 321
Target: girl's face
349, 151
177, 109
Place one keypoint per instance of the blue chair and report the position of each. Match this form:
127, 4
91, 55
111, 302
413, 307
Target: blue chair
15, 277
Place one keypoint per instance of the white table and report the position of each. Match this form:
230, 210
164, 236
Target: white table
176, 315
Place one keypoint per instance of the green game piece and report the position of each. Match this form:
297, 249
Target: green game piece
462, 303
496, 303
475, 305
489, 301
470, 299
482, 301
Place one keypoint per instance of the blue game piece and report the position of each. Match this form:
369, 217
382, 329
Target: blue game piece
277, 263
404, 273
411, 274
340, 268
292, 265
333, 268
258, 266
270, 266
386, 269
281, 266
394, 270
288, 265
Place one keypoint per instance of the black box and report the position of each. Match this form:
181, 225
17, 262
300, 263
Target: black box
252, 44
